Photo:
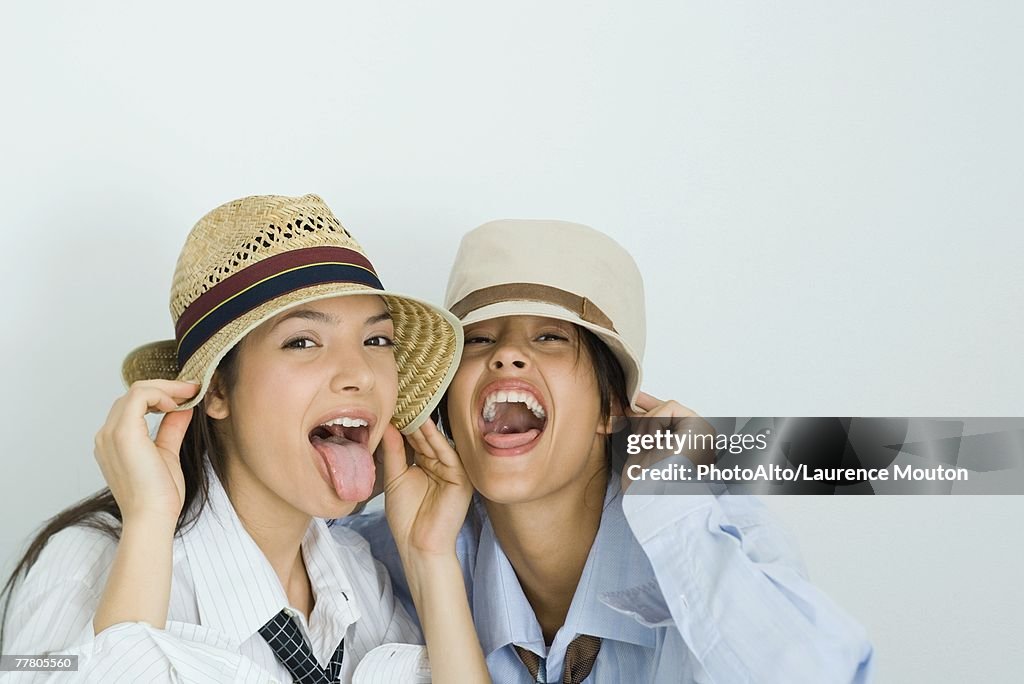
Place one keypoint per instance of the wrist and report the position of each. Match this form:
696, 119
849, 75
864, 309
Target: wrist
426, 570
143, 524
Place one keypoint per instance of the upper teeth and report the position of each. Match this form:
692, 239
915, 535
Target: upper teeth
347, 422
510, 397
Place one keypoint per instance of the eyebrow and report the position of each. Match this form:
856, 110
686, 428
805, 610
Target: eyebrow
329, 319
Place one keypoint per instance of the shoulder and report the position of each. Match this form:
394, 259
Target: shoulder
349, 542
82, 553
370, 527
356, 556
373, 529
71, 571
367, 530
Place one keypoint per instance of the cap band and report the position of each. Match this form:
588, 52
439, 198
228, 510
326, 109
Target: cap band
263, 281
531, 292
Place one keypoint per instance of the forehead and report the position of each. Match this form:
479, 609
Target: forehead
347, 309
522, 323
351, 310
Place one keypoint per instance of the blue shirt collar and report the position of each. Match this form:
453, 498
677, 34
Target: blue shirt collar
616, 564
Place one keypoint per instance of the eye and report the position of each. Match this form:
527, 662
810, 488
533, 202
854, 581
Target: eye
552, 337
478, 339
379, 341
300, 343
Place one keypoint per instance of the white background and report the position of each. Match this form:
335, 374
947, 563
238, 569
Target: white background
824, 198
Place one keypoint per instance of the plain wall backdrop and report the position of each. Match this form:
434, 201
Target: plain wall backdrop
824, 198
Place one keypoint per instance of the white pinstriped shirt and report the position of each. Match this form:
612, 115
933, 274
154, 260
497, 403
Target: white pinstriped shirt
681, 588
223, 590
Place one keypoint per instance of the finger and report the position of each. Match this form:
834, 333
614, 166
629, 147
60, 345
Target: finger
159, 395
646, 402
179, 391
392, 455
178, 388
127, 420
439, 445
428, 464
429, 442
418, 442
671, 409
438, 471
172, 430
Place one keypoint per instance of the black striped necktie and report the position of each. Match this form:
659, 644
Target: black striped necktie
283, 635
579, 659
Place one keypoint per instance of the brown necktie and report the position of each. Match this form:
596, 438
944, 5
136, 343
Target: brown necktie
579, 659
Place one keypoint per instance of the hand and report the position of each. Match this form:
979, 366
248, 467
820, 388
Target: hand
426, 502
670, 416
143, 474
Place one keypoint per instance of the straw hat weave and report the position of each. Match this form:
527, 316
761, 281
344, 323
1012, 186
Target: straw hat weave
250, 259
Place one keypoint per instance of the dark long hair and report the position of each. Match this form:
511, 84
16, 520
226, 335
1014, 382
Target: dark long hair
96, 511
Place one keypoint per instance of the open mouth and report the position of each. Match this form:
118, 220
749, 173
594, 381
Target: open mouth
341, 430
512, 418
343, 445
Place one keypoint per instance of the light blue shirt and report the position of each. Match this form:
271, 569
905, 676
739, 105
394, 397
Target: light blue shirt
681, 588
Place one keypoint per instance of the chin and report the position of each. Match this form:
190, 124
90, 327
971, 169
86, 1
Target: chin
335, 509
508, 488
326, 504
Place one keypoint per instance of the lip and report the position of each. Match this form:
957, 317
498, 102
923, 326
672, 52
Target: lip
350, 412
520, 386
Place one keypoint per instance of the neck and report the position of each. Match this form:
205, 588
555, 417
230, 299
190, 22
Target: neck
547, 540
278, 529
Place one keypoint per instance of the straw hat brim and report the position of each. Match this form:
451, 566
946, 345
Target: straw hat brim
628, 359
428, 348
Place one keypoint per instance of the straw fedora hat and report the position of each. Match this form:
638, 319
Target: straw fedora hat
555, 269
250, 259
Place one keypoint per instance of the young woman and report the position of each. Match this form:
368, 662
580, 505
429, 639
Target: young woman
572, 581
207, 559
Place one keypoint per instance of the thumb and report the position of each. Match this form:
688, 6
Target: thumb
392, 455
645, 402
172, 430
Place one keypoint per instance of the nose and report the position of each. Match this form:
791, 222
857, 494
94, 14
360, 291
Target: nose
351, 372
508, 355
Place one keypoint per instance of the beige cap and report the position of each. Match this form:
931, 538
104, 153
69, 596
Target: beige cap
557, 269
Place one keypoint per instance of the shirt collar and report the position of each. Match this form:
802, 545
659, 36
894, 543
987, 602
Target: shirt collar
237, 590
616, 563
336, 605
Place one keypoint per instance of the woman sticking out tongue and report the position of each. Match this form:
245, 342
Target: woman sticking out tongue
208, 558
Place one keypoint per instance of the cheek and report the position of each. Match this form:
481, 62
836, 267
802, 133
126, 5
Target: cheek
386, 380
460, 392
274, 390
587, 391
578, 402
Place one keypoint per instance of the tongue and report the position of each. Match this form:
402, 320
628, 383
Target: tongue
511, 440
513, 425
350, 466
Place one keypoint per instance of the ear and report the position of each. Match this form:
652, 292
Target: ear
216, 399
